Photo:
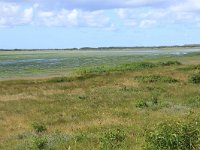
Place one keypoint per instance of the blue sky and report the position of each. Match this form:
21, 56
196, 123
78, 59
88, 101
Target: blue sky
96, 23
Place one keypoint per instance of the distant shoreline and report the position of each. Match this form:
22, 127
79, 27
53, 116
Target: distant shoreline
110, 48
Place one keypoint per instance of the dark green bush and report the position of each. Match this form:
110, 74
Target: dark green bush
126, 89
135, 66
174, 136
151, 102
95, 70
39, 142
156, 78
121, 67
154, 100
195, 78
61, 79
169, 63
142, 104
39, 127
145, 65
112, 139
82, 97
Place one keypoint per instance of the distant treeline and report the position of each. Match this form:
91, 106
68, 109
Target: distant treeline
112, 48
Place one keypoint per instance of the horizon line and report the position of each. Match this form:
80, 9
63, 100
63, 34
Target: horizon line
104, 47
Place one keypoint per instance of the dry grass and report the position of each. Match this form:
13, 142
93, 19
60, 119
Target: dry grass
93, 105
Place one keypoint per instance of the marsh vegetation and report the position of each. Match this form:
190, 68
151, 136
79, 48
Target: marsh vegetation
153, 103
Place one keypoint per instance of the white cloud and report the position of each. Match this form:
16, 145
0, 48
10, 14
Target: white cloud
91, 13
46, 14
97, 4
27, 15
7, 13
187, 6
141, 18
186, 12
73, 17
12, 14
8, 8
147, 23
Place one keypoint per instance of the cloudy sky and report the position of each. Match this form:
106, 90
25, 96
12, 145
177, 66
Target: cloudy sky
95, 23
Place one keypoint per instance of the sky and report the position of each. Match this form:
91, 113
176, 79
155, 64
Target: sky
98, 23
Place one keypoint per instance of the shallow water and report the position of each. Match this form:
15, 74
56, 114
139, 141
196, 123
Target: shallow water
4, 62
38, 63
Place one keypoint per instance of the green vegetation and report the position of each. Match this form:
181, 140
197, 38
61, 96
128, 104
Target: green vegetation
156, 78
168, 63
194, 101
191, 68
44, 140
121, 67
148, 102
38, 127
195, 78
153, 103
63, 62
112, 139
174, 136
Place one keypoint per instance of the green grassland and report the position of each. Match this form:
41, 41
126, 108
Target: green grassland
127, 103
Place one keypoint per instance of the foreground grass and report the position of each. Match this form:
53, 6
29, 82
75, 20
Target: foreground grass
99, 108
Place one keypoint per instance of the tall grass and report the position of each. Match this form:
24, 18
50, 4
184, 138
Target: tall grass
174, 136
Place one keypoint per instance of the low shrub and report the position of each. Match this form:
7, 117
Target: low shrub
112, 139
39, 143
148, 102
195, 78
142, 104
82, 97
61, 79
169, 63
126, 89
121, 67
95, 70
39, 127
174, 136
156, 78
135, 66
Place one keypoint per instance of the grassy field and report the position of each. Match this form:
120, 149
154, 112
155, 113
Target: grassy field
116, 106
